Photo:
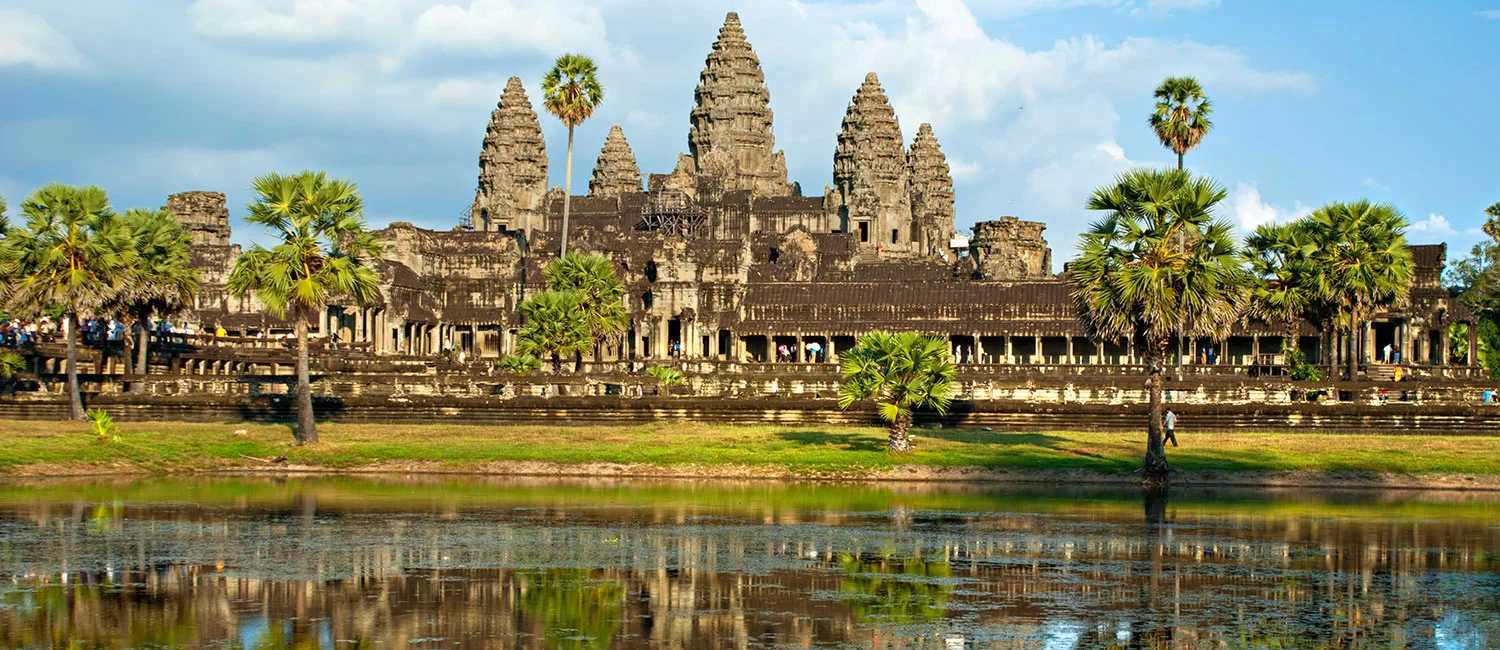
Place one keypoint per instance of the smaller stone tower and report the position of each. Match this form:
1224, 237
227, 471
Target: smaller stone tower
1011, 249
931, 193
203, 215
616, 171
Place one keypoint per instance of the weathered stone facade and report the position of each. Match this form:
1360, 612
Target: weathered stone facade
723, 262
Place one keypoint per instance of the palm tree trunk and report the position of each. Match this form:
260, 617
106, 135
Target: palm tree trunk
307, 425
567, 193
1155, 465
1356, 324
143, 339
900, 434
556, 364
1179, 161
75, 396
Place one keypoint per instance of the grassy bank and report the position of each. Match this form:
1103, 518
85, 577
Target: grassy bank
48, 448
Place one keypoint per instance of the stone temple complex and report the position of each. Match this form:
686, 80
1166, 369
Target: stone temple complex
726, 259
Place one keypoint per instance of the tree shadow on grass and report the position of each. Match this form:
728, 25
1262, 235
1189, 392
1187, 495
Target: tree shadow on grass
993, 437
846, 441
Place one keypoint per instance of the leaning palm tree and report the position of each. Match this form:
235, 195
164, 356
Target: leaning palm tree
1181, 118
162, 281
555, 327
1363, 261
1133, 281
323, 249
571, 91
72, 256
600, 291
902, 373
1285, 287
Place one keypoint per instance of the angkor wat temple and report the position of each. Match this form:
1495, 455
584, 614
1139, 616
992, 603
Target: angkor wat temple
726, 259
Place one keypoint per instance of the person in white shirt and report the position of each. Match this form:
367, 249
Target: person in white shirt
1169, 421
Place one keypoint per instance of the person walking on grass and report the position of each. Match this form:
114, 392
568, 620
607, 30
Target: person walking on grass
1169, 422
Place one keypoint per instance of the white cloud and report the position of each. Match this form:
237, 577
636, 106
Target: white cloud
1189, 5
1491, 14
1373, 184
297, 20
1434, 224
29, 40
508, 26
1246, 209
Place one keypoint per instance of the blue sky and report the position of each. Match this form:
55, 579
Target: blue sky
1035, 101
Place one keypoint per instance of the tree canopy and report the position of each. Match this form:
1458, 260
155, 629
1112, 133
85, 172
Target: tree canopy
900, 373
1182, 115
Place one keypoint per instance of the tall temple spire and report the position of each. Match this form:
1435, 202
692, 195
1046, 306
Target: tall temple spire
731, 133
616, 172
931, 192
870, 176
512, 166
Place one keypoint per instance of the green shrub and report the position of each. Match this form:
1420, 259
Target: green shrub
519, 365
1302, 370
104, 426
668, 376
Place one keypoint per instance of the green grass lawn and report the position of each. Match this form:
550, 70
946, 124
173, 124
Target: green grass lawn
26, 447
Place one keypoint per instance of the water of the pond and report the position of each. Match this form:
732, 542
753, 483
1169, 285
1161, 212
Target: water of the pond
449, 563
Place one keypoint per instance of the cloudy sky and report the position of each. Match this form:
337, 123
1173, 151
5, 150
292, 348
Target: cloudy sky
1034, 101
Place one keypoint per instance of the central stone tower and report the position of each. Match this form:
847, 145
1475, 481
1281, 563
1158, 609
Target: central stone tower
731, 139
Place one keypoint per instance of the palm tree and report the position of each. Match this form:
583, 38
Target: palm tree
73, 256
600, 291
162, 281
555, 327
572, 92
902, 373
1132, 280
1363, 261
1285, 290
4, 223
323, 250
10, 363
1181, 118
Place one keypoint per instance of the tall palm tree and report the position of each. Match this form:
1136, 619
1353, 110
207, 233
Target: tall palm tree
1285, 288
1181, 118
1132, 280
902, 373
1363, 261
600, 291
323, 250
162, 281
73, 255
571, 91
555, 327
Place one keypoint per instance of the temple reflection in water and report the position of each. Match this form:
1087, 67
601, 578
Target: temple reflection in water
341, 563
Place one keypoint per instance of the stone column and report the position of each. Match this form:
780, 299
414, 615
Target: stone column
1036, 350
1010, 356
1473, 345
1367, 344
1443, 343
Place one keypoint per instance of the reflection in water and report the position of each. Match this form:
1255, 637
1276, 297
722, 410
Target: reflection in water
342, 563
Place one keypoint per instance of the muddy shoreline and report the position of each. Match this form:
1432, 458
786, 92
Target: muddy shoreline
899, 474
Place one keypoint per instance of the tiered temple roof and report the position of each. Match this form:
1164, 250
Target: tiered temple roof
931, 191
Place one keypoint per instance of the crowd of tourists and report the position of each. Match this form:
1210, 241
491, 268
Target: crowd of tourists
17, 332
